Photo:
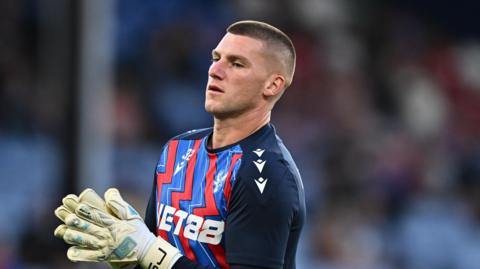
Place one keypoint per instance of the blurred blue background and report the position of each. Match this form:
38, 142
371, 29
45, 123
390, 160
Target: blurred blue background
383, 118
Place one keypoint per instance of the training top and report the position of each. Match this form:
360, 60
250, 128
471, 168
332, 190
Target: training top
241, 204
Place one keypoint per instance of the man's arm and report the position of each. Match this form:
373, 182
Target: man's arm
257, 234
150, 218
119, 239
258, 225
185, 263
260, 221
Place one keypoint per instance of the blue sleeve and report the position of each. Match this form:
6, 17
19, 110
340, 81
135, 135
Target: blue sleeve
151, 211
150, 218
258, 223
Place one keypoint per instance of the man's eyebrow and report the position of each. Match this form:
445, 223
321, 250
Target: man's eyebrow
231, 57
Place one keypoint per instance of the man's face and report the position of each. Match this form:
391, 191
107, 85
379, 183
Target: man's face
236, 77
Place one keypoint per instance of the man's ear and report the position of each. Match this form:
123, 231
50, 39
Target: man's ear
274, 85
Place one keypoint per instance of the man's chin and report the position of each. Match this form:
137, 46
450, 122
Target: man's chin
215, 112
214, 108
219, 113
209, 109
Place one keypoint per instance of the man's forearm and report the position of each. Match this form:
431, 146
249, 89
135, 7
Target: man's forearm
185, 263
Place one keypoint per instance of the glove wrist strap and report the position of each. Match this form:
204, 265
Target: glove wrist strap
160, 255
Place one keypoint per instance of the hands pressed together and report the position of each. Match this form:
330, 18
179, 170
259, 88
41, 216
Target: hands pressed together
110, 231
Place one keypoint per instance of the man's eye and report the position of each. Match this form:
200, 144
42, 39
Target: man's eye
214, 59
237, 64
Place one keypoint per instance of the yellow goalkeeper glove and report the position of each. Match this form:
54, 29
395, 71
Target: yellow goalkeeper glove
114, 233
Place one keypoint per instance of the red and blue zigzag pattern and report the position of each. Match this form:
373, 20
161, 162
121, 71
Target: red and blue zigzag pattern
198, 183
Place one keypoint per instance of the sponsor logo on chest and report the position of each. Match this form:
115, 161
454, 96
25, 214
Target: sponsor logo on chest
194, 227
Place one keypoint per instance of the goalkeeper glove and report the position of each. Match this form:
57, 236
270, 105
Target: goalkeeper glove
73, 236
114, 233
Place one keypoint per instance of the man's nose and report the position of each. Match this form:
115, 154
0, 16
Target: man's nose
216, 70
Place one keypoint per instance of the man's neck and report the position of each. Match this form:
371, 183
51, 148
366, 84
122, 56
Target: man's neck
231, 130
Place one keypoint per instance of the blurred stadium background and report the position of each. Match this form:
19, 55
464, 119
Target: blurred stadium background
383, 118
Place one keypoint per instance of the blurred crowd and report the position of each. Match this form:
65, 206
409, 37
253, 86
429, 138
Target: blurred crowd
383, 120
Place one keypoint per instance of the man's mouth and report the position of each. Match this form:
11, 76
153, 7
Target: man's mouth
214, 88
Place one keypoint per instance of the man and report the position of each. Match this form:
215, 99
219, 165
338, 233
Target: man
224, 197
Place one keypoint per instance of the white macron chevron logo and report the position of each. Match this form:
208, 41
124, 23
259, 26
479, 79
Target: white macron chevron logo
261, 182
259, 164
259, 152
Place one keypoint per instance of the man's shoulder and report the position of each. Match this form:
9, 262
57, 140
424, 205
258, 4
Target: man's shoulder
267, 146
265, 162
266, 156
268, 175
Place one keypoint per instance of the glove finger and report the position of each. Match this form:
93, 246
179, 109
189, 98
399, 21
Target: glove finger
81, 225
94, 215
79, 254
78, 238
60, 231
71, 202
91, 198
119, 207
62, 212
76, 253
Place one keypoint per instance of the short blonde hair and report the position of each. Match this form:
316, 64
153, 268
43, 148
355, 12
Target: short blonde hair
273, 38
